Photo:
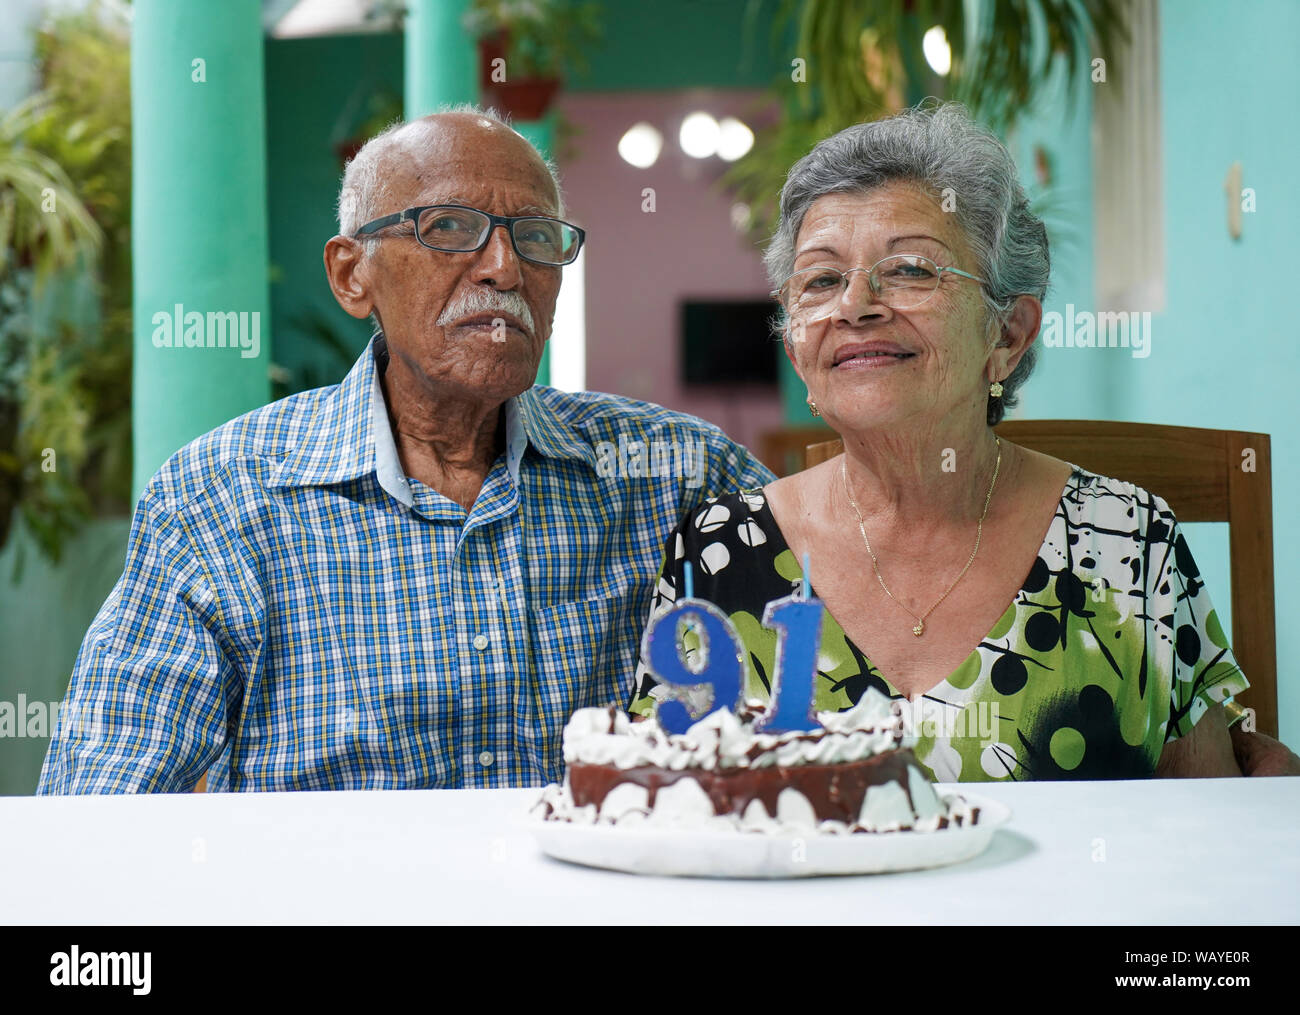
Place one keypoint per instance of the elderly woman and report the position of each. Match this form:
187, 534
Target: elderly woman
1043, 622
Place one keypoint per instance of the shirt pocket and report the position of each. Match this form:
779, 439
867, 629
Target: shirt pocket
584, 656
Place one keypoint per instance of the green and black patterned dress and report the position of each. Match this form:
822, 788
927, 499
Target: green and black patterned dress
1111, 648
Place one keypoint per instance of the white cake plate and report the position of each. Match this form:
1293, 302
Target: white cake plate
688, 853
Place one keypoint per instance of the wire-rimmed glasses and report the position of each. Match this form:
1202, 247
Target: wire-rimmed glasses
899, 281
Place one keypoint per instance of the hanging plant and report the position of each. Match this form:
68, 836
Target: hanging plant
526, 46
859, 60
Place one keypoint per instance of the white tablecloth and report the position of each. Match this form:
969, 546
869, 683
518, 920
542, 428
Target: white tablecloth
1191, 851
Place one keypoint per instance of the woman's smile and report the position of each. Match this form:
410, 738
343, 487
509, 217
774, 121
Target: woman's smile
870, 356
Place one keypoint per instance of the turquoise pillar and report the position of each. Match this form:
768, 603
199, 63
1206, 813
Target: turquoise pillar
794, 396
541, 133
442, 69
199, 222
441, 58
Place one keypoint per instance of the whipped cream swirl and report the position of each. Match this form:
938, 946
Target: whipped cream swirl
721, 740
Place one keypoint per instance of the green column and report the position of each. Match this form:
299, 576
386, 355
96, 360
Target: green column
542, 135
199, 224
794, 396
442, 69
441, 58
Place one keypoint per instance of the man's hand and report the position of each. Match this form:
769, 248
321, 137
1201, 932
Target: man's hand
1260, 754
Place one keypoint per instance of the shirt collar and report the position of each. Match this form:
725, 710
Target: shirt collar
348, 435
388, 466
336, 443
549, 433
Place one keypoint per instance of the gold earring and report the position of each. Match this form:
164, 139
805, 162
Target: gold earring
812, 407
995, 389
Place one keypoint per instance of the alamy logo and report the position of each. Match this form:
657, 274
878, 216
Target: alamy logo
978, 720
1118, 329
25, 718
181, 329
635, 459
102, 969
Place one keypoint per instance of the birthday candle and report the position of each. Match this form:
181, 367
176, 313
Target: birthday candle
720, 647
798, 623
797, 619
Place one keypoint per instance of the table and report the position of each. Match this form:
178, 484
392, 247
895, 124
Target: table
1217, 851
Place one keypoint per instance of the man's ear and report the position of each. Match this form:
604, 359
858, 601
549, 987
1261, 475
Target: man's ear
347, 272
1016, 336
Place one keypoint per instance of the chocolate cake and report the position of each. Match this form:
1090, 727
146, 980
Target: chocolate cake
855, 774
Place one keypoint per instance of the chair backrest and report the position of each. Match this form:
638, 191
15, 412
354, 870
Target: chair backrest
1204, 476
783, 450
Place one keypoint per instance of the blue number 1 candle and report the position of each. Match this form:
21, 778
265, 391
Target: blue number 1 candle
797, 620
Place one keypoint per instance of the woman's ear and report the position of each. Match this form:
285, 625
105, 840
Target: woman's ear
1017, 334
788, 340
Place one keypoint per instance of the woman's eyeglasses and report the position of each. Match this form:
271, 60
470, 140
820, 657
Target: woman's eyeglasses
900, 281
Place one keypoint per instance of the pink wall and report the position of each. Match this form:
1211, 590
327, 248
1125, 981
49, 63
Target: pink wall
639, 265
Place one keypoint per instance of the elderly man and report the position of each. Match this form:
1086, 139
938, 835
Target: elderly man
413, 578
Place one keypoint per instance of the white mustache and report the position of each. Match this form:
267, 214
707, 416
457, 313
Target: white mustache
480, 301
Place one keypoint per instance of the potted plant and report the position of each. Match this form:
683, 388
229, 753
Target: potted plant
525, 46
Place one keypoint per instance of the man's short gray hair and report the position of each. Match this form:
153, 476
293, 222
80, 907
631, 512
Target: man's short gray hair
364, 190
942, 148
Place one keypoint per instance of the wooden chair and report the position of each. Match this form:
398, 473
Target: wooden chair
783, 450
1205, 476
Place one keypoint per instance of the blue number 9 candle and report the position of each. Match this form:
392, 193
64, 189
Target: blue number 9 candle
717, 660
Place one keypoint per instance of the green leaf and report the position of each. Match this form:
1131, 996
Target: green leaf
1003, 52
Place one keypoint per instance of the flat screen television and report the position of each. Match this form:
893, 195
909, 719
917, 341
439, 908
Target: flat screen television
728, 343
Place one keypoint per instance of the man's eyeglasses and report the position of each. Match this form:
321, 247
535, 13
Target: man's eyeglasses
900, 281
456, 229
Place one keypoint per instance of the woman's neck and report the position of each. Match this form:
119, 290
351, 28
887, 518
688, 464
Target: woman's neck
920, 481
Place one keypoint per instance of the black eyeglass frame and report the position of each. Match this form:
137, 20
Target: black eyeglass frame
412, 215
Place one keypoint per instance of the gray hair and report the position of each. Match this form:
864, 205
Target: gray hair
364, 190
942, 148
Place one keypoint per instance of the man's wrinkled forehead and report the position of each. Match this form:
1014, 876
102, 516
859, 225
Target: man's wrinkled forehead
456, 159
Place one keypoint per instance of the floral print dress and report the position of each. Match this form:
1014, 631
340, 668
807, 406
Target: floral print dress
1110, 649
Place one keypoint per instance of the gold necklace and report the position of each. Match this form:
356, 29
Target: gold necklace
919, 629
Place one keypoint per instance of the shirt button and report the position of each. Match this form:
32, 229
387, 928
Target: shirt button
480, 643
485, 759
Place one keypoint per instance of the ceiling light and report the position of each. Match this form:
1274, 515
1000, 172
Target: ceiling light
640, 145
735, 139
934, 44
699, 135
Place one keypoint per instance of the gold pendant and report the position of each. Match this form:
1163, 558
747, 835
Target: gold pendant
919, 629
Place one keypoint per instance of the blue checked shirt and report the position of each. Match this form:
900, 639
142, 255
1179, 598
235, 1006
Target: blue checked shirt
296, 613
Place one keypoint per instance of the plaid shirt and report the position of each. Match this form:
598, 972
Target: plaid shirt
295, 613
